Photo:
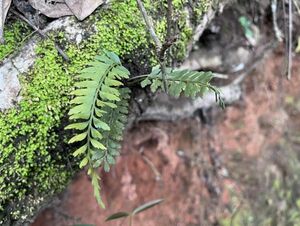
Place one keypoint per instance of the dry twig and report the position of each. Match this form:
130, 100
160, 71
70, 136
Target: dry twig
170, 39
290, 40
278, 32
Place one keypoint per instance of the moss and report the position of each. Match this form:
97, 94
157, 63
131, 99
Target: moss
15, 33
28, 135
34, 156
183, 9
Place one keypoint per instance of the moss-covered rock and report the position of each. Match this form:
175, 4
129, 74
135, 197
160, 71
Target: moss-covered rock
35, 161
15, 34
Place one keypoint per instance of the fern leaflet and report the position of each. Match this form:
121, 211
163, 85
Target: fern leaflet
99, 113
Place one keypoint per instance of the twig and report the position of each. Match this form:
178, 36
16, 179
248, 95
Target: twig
150, 164
278, 32
149, 26
42, 34
169, 19
160, 48
289, 69
297, 6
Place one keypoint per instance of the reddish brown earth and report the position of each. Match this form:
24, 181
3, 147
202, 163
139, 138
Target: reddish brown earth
192, 165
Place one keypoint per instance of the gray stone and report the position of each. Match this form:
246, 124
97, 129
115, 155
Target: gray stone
20, 63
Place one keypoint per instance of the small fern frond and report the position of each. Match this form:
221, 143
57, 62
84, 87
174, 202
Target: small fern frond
116, 118
190, 83
96, 99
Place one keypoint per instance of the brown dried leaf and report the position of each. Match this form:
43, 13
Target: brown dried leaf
53, 9
58, 8
83, 8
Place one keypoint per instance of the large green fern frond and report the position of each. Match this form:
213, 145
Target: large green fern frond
99, 114
190, 83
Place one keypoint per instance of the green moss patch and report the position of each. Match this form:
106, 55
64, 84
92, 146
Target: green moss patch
15, 34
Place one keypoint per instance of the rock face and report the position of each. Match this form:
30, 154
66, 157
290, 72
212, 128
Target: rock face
15, 66
9, 88
9, 75
32, 136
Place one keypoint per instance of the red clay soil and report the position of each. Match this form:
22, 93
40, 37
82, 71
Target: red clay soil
185, 163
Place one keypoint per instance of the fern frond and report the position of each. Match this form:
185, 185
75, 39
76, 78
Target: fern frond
190, 83
96, 99
116, 119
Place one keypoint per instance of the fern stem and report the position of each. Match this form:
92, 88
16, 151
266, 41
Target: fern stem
164, 75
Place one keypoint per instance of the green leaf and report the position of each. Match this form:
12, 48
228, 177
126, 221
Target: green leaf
78, 137
109, 96
97, 144
99, 113
146, 206
83, 108
82, 92
116, 216
125, 73
97, 163
96, 134
145, 82
155, 85
110, 159
103, 58
112, 82
80, 116
96, 186
98, 106
78, 126
190, 83
80, 150
86, 84
106, 167
100, 124
113, 57
83, 162
176, 88
83, 99
111, 105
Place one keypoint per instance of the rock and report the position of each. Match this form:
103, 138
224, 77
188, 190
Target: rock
9, 87
22, 61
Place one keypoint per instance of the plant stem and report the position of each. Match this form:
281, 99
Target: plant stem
130, 220
160, 51
290, 60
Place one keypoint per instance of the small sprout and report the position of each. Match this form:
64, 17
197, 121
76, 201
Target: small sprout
134, 212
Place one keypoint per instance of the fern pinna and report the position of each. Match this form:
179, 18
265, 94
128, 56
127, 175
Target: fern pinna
99, 111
